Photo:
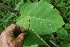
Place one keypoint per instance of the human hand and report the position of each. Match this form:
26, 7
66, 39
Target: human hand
8, 38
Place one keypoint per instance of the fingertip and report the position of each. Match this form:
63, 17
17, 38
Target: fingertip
12, 25
21, 37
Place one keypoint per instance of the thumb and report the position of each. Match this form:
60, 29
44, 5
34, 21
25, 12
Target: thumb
21, 37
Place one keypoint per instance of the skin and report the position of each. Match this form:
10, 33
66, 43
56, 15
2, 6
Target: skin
8, 39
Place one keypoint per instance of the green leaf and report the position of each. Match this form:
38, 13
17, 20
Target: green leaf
49, 1
32, 46
33, 38
62, 4
68, 13
8, 0
67, 26
19, 4
62, 33
69, 20
65, 44
43, 18
57, 0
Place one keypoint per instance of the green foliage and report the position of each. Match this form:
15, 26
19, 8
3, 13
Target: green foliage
64, 7
34, 15
33, 38
62, 33
43, 20
67, 26
65, 44
6, 17
32, 46
48, 1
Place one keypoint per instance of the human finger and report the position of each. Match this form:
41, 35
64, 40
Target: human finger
20, 38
